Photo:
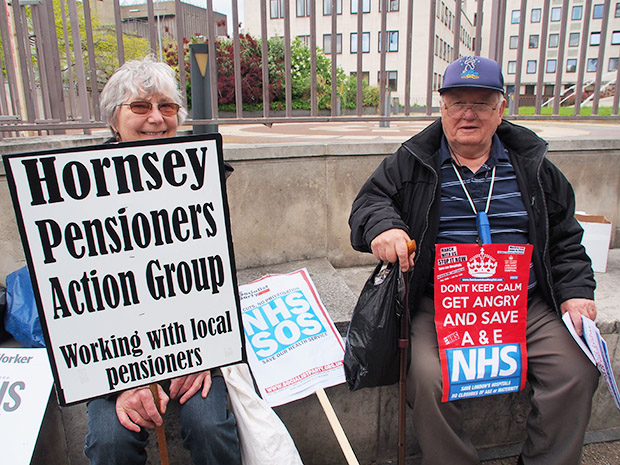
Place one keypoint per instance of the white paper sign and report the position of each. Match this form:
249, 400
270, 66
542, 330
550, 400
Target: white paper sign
293, 345
595, 347
130, 252
25, 385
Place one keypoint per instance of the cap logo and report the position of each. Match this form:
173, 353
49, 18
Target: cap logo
469, 68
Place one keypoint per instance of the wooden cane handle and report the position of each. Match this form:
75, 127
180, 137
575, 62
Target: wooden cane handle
411, 247
161, 433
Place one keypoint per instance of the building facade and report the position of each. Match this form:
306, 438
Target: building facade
567, 43
445, 26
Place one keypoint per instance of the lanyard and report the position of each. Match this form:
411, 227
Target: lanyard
482, 218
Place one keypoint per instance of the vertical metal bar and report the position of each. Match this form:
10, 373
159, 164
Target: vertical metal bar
68, 60
212, 60
79, 61
562, 44
498, 29
150, 8
92, 64
9, 59
384, 46
53, 67
430, 57
360, 27
457, 30
39, 43
237, 60
478, 28
25, 75
409, 52
522, 20
120, 47
585, 31
287, 59
616, 94
334, 73
542, 53
264, 57
180, 16
313, 81
600, 58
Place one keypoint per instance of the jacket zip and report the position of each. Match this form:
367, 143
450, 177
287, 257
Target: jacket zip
428, 208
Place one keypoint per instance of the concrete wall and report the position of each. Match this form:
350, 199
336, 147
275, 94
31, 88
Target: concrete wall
292, 203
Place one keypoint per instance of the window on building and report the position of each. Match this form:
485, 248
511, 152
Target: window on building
365, 42
303, 8
535, 18
327, 43
556, 13
615, 38
617, 15
365, 76
327, 7
597, 11
276, 9
613, 64
514, 41
595, 38
554, 39
592, 65
392, 79
571, 65
529, 89
512, 67
577, 12
392, 41
305, 39
533, 40
573, 39
549, 90
365, 6
531, 66
393, 5
551, 66
516, 17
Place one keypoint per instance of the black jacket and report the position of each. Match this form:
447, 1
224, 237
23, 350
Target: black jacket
404, 192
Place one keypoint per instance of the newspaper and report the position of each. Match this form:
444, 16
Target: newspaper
595, 347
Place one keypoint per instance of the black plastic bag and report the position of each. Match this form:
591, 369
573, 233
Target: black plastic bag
371, 356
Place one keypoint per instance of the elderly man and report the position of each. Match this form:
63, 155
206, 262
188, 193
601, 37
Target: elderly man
431, 190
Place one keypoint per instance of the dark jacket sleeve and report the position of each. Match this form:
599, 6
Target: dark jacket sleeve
571, 267
377, 206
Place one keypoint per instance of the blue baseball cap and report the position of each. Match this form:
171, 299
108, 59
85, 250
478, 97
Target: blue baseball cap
472, 71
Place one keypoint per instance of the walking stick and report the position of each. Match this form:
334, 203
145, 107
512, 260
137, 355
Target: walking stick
161, 433
403, 344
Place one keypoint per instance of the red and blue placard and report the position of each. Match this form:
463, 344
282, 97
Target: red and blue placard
480, 315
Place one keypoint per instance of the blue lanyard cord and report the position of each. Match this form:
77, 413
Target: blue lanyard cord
482, 218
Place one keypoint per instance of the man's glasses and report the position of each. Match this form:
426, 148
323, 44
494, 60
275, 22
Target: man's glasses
143, 108
482, 110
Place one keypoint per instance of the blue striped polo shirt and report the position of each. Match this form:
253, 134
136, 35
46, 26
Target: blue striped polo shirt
507, 215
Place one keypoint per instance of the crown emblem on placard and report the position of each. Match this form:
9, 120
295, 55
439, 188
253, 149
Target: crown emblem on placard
482, 265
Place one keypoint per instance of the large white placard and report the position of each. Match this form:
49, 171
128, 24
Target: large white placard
130, 252
294, 348
25, 384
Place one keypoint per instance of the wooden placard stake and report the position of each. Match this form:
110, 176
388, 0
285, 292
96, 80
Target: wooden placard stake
161, 433
336, 427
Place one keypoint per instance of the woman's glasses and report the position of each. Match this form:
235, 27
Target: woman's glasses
143, 108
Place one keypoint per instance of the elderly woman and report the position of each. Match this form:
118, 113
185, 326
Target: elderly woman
140, 101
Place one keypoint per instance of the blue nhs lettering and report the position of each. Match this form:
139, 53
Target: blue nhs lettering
477, 363
280, 323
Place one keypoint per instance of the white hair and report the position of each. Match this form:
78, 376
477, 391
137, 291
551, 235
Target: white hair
139, 78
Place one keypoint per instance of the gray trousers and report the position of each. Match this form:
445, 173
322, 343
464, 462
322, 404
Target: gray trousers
562, 378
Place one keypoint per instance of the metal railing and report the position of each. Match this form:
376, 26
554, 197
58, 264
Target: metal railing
52, 73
